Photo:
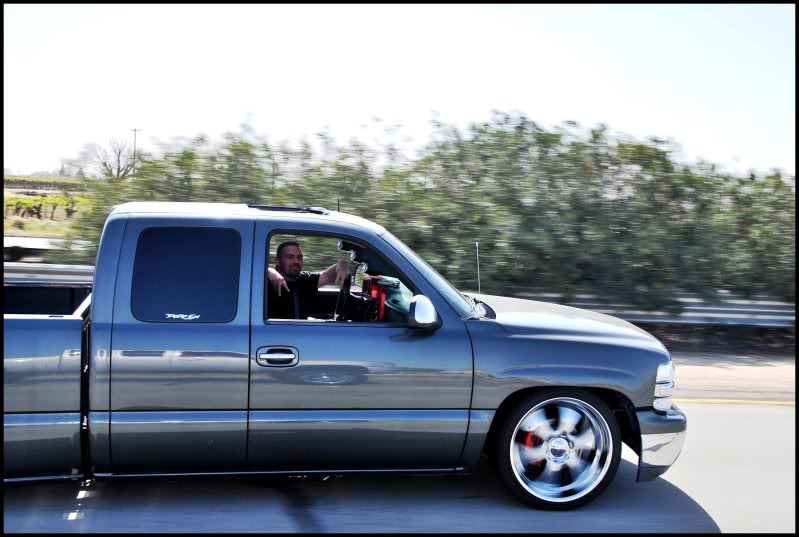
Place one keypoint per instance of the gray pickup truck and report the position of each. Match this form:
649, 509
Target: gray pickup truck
173, 366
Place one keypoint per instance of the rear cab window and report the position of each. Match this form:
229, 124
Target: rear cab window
186, 274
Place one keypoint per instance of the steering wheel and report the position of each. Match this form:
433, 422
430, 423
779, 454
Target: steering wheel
343, 299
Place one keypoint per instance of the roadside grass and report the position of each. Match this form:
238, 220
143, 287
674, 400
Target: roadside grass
52, 224
16, 226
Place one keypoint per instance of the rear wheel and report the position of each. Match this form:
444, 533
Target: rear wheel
559, 449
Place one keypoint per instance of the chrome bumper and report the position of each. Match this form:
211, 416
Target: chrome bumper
662, 438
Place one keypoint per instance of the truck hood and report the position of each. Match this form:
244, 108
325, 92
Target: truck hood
544, 320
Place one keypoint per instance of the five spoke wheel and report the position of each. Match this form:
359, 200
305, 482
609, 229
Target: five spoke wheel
559, 449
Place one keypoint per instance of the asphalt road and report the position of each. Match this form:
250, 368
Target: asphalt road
736, 474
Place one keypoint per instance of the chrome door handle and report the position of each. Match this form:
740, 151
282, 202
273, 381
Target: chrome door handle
278, 357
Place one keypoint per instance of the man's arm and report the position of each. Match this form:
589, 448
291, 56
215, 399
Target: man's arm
334, 273
277, 281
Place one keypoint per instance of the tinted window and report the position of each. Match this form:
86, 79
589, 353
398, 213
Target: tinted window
186, 275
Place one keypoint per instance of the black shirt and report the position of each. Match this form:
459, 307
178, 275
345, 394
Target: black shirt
293, 305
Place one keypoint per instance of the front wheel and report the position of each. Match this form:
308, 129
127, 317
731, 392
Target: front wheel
559, 449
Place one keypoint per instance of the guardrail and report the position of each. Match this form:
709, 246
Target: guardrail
728, 309
15, 273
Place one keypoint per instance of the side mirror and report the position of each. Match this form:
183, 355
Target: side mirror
422, 314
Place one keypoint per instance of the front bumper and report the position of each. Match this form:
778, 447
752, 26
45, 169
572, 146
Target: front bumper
662, 437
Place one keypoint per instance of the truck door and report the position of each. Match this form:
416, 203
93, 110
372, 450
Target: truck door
327, 395
180, 345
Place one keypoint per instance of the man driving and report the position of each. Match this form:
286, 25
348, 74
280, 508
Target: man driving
291, 289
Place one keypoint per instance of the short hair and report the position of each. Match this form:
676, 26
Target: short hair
284, 244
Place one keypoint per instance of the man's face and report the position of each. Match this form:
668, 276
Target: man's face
289, 262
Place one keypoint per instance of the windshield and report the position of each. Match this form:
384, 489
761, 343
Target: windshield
462, 304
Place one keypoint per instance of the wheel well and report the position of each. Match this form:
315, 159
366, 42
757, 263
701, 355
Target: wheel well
620, 406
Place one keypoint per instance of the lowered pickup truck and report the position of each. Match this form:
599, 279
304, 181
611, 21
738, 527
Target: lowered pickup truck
173, 366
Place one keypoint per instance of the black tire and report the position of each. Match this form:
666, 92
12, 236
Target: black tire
559, 449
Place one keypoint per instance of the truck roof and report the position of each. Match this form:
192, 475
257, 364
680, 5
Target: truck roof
242, 209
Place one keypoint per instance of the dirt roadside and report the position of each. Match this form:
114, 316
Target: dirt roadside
731, 363
735, 377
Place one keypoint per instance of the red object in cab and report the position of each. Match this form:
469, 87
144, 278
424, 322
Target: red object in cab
374, 291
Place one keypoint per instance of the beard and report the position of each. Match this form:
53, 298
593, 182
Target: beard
291, 271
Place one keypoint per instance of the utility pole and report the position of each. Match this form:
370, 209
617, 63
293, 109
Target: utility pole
134, 150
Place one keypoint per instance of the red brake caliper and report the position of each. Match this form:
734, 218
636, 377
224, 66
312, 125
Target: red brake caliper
529, 442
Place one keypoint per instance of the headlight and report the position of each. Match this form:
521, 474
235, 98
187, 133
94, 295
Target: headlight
664, 384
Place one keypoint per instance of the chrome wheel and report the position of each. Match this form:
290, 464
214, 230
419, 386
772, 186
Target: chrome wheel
562, 449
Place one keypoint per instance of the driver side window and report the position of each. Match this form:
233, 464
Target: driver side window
300, 282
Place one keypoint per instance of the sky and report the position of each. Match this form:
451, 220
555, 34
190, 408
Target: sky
717, 80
